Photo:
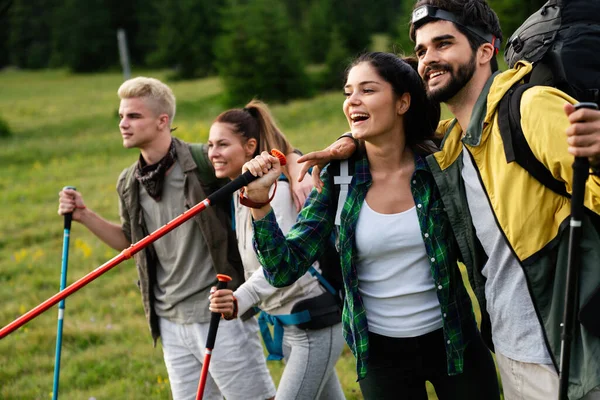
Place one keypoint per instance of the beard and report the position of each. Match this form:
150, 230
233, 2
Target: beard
458, 80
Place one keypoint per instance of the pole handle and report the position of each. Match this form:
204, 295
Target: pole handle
216, 317
68, 216
243, 180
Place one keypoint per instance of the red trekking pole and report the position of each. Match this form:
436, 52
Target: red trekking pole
218, 196
210, 339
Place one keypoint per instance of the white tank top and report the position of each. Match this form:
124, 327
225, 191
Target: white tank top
394, 275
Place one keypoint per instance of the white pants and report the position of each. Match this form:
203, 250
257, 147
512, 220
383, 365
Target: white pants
237, 369
527, 381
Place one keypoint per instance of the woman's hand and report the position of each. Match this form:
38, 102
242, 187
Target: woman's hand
221, 301
268, 169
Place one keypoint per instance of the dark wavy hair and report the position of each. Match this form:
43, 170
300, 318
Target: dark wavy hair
422, 118
476, 13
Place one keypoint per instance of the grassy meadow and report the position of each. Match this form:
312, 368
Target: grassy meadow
65, 133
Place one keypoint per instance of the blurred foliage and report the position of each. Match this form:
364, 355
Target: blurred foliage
185, 36
258, 55
260, 48
4, 128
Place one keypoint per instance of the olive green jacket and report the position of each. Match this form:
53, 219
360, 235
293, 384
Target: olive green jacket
214, 222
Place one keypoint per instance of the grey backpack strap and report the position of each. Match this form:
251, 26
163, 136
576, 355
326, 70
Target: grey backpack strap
343, 180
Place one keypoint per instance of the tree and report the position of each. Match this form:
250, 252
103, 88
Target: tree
4, 30
258, 54
353, 23
316, 28
29, 38
188, 29
336, 62
85, 35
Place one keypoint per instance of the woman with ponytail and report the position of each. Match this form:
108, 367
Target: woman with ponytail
310, 348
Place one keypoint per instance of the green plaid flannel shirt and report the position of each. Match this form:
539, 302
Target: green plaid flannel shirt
287, 258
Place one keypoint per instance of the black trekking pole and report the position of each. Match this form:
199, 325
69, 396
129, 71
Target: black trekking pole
580, 174
210, 339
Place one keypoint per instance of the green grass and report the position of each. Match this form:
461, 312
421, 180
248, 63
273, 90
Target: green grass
64, 132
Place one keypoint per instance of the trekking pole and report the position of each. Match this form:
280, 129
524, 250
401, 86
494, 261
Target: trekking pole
215, 317
61, 306
580, 175
222, 194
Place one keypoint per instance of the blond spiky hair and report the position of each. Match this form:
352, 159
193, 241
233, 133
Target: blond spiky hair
160, 96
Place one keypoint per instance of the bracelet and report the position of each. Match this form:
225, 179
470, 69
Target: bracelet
252, 204
235, 310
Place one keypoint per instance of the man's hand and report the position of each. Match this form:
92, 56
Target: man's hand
221, 301
71, 201
583, 135
300, 187
341, 149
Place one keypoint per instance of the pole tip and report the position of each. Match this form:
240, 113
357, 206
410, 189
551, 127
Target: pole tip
223, 278
280, 155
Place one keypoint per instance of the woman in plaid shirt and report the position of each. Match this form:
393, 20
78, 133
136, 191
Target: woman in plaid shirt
407, 317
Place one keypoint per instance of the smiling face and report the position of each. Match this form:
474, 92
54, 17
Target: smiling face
371, 106
446, 60
228, 150
139, 124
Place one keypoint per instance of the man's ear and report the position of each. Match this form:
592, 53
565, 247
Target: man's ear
486, 53
163, 121
250, 147
403, 103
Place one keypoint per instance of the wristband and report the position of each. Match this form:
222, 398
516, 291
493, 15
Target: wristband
235, 310
252, 204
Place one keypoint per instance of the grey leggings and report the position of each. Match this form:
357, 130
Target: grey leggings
310, 357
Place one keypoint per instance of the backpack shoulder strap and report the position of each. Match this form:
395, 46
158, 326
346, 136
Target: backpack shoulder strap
341, 175
515, 144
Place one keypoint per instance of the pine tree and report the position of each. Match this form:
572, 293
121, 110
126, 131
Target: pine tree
317, 30
29, 38
258, 54
351, 17
86, 39
336, 63
188, 29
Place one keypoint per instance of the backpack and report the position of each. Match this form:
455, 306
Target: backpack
555, 39
561, 40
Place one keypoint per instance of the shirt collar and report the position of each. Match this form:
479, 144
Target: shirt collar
363, 175
475, 128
